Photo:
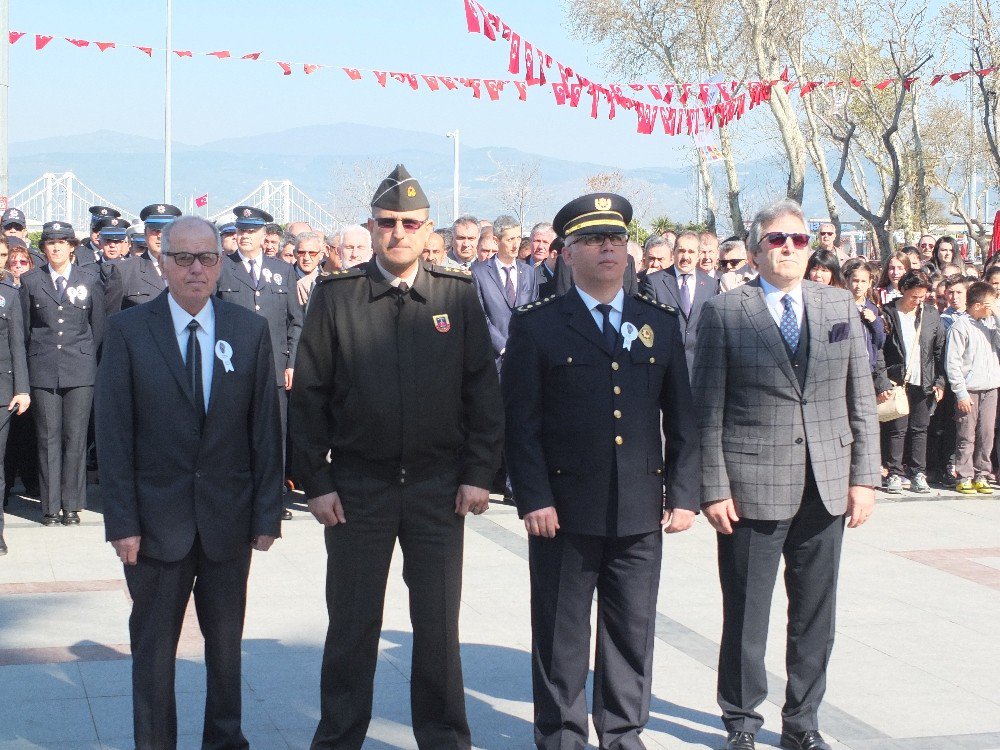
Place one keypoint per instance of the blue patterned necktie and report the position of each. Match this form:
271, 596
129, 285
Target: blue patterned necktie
789, 326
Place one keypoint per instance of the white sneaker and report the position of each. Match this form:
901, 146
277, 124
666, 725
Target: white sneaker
894, 484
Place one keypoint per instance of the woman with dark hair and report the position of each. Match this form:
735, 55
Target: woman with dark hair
824, 268
897, 264
913, 355
63, 307
946, 253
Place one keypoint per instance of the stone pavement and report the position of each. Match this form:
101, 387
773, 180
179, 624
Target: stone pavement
915, 664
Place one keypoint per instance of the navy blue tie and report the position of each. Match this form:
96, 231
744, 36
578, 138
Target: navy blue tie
789, 324
610, 334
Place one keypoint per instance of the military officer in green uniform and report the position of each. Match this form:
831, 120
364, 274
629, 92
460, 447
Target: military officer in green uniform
396, 426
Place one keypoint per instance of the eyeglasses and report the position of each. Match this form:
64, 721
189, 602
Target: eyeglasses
926, 244
186, 259
827, 234
310, 253
777, 239
409, 225
20, 262
617, 239
732, 262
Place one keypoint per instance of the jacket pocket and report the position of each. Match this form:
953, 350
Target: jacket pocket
748, 445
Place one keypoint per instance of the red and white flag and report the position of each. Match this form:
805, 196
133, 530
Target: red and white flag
201, 201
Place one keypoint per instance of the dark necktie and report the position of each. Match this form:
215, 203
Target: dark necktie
789, 325
194, 367
685, 295
400, 292
610, 334
509, 289
253, 273
61, 287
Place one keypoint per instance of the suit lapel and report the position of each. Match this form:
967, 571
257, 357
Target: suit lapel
581, 321
670, 282
767, 329
48, 286
161, 327
241, 273
224, 331
150, 276
634, 313
816, 324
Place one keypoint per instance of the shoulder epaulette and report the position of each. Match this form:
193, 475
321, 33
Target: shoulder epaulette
535, 305
454, 273
651, 301
343, 273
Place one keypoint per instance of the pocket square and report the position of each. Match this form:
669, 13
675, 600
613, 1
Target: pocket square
839, 332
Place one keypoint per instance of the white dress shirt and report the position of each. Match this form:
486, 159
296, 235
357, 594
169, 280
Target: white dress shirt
246, 264
773, 296
615, 316
395, 281
65, 275
206, 339
504, 270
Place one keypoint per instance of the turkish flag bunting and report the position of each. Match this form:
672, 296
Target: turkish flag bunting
542, 57
286, 68
449, 82
475, 84
809, 86
506, 32
909, 82
575, 89
308, 68
784, 75
612, 96
201, 201
522, 90
959, 76
408, 78
222, 54
668, 93
41, 40
529, 64
646, 115
703, 92
490, 26
381, 77
13, 36
684, 93
471, 17
147, 50
986, 71
790, 86
560, 90
353, 73
655, 91
78, 42
937, 79
514, 66
857, 82
432, 82
833, 84
595, 93
883, 85
182, 52
102, 46
493, 88
251, 56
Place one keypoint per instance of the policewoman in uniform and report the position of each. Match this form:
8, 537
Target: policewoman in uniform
266, 286
590, 380
395, 381
63, 309
13, 370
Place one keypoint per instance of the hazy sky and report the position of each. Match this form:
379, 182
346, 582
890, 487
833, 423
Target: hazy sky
63, 90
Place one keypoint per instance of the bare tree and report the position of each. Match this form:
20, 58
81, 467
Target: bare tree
354, 186
518, 187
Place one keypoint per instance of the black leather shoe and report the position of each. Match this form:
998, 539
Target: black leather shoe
810, 739
3, 546
48, 520
286, 515
71, 518
740, 741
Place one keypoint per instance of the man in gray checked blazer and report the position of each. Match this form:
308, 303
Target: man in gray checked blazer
789, 446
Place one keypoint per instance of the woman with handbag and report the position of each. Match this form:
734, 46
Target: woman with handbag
913, 356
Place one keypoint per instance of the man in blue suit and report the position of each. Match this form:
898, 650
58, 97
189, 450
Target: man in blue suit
503, 283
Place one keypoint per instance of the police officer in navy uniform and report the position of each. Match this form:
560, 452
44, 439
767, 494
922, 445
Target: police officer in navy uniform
13, 223
267, 286
88, 251
112, 241
63, 309
590, 379
13, 372
395, 382
139, 278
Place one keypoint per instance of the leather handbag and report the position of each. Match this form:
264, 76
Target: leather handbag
898, 405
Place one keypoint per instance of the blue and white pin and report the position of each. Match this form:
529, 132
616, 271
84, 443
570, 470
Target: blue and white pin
629, 334
225, 354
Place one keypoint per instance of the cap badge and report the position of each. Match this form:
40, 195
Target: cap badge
246, 211
104, 212
602, 204
442, 324
57, 225
411, 192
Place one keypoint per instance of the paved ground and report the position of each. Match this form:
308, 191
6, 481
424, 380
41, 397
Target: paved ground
915, 666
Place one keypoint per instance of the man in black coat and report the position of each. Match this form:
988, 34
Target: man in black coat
396, 434
139, 278
190, 468
589, 380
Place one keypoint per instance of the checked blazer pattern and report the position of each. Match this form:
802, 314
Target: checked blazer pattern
759, 428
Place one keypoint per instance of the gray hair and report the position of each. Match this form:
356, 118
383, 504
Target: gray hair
287, 238
768, 214
654, 240
333, 240
542, 226
687, 233
350, 228
728, 245
190, 222
447, 235
308, 237
467, 219
502, 223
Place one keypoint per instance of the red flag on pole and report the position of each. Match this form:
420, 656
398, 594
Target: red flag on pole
201, 201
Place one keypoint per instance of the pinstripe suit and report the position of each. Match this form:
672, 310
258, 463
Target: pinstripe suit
785, 445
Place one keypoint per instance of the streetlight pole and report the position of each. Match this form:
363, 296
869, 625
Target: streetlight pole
167, 155
4, 86
454, 199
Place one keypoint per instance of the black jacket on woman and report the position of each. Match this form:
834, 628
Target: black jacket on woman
931, 346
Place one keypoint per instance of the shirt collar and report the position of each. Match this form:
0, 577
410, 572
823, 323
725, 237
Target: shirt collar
181, 317
244, 259
395, 281
773, 295
617, 304
54, 275
501, 266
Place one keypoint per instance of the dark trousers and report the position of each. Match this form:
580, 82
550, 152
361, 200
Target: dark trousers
422, 517
942, 435
748, 564
5, 419
565, 571
21, 458
160, 592
907, 436
61, 418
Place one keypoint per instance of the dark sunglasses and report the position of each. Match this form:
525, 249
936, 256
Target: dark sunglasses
777, 239
186, 259
732, 262
409, 225
826, 234
310, 253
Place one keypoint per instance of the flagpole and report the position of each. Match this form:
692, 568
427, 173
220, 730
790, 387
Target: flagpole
4, 85
166, 113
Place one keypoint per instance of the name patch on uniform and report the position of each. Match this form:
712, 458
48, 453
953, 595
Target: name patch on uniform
442, 324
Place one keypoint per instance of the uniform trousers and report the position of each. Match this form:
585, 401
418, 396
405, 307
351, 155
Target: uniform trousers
422, 517
61, 419
748, 565
21, 459
565, 571
5, 420
160, 592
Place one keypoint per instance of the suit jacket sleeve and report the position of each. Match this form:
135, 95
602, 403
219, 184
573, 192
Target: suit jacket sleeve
18, 350
266, 443
522, 381
497, 339
682, 449
862, 412
113, 403
294, 323
709, 392
481, 402
98, 316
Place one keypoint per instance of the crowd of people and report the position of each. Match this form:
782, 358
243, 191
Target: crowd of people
396, 374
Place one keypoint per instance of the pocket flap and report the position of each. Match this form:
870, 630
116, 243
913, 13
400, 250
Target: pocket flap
736, 444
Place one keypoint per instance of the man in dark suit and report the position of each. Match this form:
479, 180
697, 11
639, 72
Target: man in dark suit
265, 286
589, 380
684, 287
396, 433
503, 282
789, 448
139, 278
190, 468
